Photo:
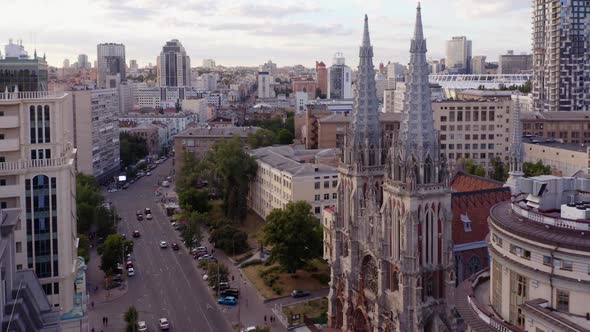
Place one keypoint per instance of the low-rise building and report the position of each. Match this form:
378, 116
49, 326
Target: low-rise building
304, 84
147, 131
569, 127
197, 141
565, 159
176, 122
288, 174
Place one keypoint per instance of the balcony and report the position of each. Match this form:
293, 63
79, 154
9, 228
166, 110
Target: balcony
10, 144
13, 190
28, 165
9, 121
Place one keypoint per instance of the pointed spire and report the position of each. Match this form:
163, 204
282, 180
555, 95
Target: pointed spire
516, 151
35, 54
418, 33
366, 38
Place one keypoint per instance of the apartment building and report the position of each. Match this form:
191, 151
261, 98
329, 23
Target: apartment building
176, 122
96, 132
474, 129
38, 176
329, 223
198, 141
147, 131
565, 159
568, 127
287, 174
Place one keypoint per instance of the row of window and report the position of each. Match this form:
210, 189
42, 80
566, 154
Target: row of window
468, 146
317, 185
468, 137
461, 116
475, 155
317, 198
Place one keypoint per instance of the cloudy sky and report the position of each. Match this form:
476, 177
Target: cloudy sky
249, 32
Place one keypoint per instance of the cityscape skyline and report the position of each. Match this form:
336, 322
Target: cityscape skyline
314, 30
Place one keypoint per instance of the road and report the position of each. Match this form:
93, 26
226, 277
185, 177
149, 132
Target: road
167, 283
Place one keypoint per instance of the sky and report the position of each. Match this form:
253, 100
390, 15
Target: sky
250, 32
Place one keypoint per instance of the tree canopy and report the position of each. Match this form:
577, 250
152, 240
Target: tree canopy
535, 169
192, 231
113, 250
193, 199
500, 172
261, 138
88, 198
471, 168
132, 148
131, 318
294, 234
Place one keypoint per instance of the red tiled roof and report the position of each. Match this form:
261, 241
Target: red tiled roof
466, 182
476, 206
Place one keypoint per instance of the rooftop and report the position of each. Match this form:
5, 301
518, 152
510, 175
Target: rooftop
293, 160
217, 132
556, 116
343, 118
463, 182
486, 93
554, 143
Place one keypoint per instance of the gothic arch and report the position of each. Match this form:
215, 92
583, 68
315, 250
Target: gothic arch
370, 273
428, 170
339, 314
361, 321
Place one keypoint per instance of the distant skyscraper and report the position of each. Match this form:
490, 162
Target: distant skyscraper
209, 63
511, 63
478, 64
83, 61
340, 79
396, 71
458, 54
111, 64
66, 63
322, 77
561, 34
270, 67
18, 71
133, 64
264, 85
174, 66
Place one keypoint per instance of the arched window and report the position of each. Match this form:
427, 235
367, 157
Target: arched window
473, 265
428, 170
430, 240
397, 170
47, 126
372, 155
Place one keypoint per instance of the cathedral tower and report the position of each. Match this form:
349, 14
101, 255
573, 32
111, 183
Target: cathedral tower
516, 152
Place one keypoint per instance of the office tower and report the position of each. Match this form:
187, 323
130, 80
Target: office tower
560, 55
19, 72
396, 71
478, 64
97, 132
37, 158
458, 55
511, 63
83, 61
133, 64
209, 63
111, 65
340, 79
264, 85
174, 66
269, 67
392, 266
322, 77
66, 64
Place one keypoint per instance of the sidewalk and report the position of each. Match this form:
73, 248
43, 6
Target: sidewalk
95, 280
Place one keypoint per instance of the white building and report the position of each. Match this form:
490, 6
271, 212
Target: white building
197, 106
146, 96
264, 85
38, 177
176, 122
125, 97
300, 101
174, 66
269, 67
339, 79
111, 65
458, 55
478, 65
396, 71
209, 63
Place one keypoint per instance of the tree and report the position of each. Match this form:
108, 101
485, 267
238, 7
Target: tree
233, 170
113, 250
132, 148
471, 168
535, 169
229, 238
105, 221
190, 173
500, 172
213, 267
192, 232
294, 234
84, 248
193, 199
88, 198
262, 138
131, 318
285, 137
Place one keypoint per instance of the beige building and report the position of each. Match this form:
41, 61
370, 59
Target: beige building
474, 129
329, 224
198, 141
569, 127
147, 131
38, 176
288, 174
539, 276
565, 159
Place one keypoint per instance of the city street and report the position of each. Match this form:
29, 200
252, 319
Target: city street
167, 283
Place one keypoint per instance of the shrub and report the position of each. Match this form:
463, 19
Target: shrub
277, 289
230, 239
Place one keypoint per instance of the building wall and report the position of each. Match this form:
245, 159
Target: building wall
575, 130
515, 64
563, 162
264, 85
111, 61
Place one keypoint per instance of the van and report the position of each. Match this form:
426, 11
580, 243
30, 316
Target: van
165, 184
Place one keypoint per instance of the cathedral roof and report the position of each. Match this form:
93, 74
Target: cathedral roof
463, 182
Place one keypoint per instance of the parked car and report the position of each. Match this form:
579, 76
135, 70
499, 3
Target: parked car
222, 286
299, 293
128, 264
163, 244
165, 184
117, 278
149, 173
139, 217
205, 257
249, 329
142, 326
227, 300
164, 324
206, 277
114, 284
148, 216
175, 246
131, 272
230, 292
125, 186
147, 211
136, 233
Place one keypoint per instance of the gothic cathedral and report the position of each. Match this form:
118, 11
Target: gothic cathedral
393, 266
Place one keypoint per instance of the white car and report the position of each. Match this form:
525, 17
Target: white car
164, 324
148, 173
130, 272
163, 244
248, 329
148, 216
142, 326
205, 277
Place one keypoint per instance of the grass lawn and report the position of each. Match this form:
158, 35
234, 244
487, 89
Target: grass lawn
312, 309
271, 282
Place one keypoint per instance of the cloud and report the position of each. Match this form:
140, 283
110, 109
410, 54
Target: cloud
487, 8
282, 29
272, 10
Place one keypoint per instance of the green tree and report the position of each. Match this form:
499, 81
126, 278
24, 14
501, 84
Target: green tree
131, 318
105, 221
192, 231
191, 172
535, 169
229, 238
471, 168
294, 234
132, 148
500, 172
113, 251
84, 248
88, 198
233, 171
193, 199
285, 137
213, 268
262, 138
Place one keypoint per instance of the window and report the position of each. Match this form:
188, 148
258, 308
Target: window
2, 159
56, 288
317, 198
467, 116
497, 240
19, 247
334, 196
326, 184
317, 185
2, 182
443, 128
567, 265
484, 116
317, 210
3, 205
443, 119
326, 197
563, 300
19, 267
452, 116
1, 136
459, 115
334, 183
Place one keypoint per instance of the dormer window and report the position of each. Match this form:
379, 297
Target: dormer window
466, 222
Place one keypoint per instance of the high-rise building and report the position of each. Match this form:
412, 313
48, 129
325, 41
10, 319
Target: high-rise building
83, 61
111, 65
340, 79
511, 63
174, 66
96, 116
396, 71
66, 64
270, 67
561, 55
322, 77
478, 65
264, 85
133, 64
392, 262
37, 165
18, 72
209, 63
458, 55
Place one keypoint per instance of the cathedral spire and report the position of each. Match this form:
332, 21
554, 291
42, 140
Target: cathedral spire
366, 38
516, 151
418, 32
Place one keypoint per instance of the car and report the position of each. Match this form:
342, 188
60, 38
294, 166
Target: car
147, 211
227, 300
175, 246
164, 324
113, 285
130, 272
163, 244
117, 278
249, 329
138, 213
206, 277
198, 249
165, 184
200, 254
128, 264
148, 216
205, 257
125, 186
299, 293
142, 326
230, 292
136, 233
139, 217
222, 286
175, 223
148, 173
